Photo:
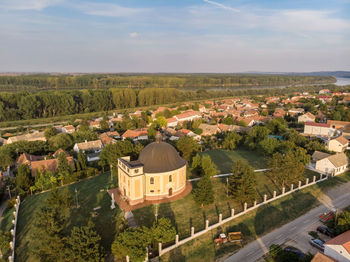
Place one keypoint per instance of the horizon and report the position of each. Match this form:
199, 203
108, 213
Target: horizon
178, 37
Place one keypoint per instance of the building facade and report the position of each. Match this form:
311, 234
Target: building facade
158, 173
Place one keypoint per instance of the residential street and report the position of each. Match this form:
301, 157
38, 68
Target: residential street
296, 232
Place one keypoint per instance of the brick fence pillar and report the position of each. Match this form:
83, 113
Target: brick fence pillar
220, 218
206, 224
245, 206
176, 240
160, 248
283, 190
274, 194
291, 187
192, 231
265, 198
232, 212
314, 179
307, 181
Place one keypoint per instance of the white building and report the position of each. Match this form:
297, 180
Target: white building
330, 164
318, 129
339, 247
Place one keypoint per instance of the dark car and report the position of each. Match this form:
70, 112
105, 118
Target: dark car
324, 230
317, 243
295, 251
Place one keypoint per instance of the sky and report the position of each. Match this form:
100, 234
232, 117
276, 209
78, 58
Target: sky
174, 35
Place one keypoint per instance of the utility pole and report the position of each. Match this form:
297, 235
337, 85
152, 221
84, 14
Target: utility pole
76, 197
227, 186
8, 188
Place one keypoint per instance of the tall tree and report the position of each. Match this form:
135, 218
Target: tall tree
242, 183
231, 140
285, 169
64, 170
84, 244
81, 161
23, 179
187, 146
163, 231
203, 194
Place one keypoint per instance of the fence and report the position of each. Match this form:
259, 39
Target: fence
246, 209
13, 231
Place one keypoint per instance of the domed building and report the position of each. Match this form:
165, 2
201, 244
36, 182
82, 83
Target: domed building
158, 173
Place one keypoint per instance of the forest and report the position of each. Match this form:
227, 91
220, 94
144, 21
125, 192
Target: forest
105, 81
54, 103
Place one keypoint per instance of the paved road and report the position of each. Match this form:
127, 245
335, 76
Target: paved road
338, 197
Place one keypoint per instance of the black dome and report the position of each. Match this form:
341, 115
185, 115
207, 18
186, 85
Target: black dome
159, 157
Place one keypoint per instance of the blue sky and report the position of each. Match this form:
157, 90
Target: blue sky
174, 35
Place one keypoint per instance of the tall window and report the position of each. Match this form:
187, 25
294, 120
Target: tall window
170, 178
151, 180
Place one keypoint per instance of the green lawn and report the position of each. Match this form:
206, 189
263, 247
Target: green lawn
224, 159
91, 193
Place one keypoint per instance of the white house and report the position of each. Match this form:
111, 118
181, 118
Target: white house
330, 164
318, 129
338, 144
307, 117
339, 247
68, 129
94, 146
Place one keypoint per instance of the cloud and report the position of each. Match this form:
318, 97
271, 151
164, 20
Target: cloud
36, 5
221, 6
133, 34
106, 9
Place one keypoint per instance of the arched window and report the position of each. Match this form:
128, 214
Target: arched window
151, 180
170, 178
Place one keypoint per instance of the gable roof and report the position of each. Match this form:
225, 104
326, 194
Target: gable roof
342, 239
319, 257
317, 155
342, 140
317, 124
89, 145
135, 133
339, 160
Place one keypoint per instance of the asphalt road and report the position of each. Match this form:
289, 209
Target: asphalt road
338, 198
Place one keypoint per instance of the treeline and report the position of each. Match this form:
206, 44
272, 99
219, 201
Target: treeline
52, 103
105, 81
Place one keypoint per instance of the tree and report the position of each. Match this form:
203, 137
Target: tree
64, 169
23, 179
277, 125
187, 146
163, 231
50, 132
242, 183
5, 238
81, 161
196, 164
160, 121
268, 145
228, 120
255, 135
62, 140
208, 166
285, 169
203, 194
104, 125
231, 140
48, 231
84, 244
132, 242
6, 157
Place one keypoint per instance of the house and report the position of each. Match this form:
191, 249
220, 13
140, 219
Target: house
172, 122
307, 117
185, 132
338, 124
26, 159
330, 164
47, 164
68, 129
324, 91
233, 128
209, 130
317, 129
35, 136
295, 111
325, 99
94, 124
338, 248
338, 144
109, 137
137, 134
279, 112
187, 116
319, 257
95, 146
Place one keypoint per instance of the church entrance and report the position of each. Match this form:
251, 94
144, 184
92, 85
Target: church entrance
170, 191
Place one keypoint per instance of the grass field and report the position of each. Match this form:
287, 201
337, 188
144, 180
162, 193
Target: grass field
224, 159
255, 223
91, 193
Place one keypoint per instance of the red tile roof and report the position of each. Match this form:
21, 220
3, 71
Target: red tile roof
317, 124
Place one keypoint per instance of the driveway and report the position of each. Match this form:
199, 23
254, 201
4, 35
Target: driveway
295, 232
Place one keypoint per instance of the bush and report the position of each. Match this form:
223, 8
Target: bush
11, 203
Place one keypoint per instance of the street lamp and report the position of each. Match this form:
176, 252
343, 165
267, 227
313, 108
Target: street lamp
76, 197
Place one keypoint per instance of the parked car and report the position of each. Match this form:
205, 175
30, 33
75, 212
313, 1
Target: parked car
325, 217
295, 251
317, 243
325, 230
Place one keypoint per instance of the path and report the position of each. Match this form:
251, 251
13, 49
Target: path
228, 174
338, 197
